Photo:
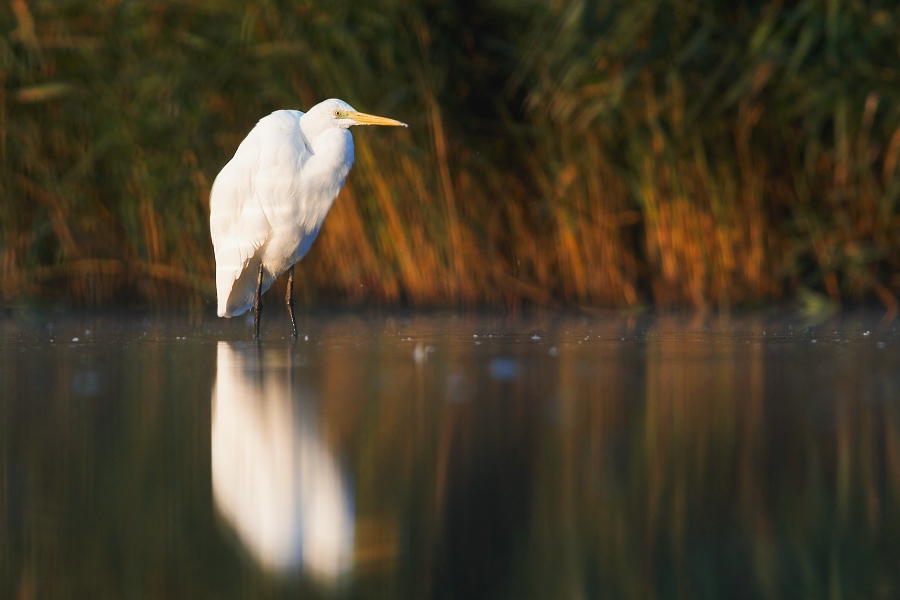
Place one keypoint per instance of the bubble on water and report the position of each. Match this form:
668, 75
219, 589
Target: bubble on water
75, 339
86, 383
419, 355
504, 369
456, 389
535, 337
554, 351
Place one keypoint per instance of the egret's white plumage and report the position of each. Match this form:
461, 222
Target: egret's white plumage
268, 203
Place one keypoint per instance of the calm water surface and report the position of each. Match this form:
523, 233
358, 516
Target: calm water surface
411, 456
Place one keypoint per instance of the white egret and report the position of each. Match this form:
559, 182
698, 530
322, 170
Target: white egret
268, 203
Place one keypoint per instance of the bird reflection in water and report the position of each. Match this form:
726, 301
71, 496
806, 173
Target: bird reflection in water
274, 479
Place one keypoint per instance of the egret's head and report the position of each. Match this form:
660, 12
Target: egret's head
337, 113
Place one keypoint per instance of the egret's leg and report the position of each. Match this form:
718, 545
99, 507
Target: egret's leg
257, 301
289, 298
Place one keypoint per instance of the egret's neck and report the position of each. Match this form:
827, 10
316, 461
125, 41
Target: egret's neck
324, 173
312, 128
333, 154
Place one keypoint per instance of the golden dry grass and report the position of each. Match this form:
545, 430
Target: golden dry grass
559, 154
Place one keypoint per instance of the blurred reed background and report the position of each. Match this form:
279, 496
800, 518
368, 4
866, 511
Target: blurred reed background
600, 153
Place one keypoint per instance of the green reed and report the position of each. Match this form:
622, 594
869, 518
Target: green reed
601, 154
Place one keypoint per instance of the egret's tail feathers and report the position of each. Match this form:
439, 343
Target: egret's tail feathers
237, 249
236, 296
233, 309
238, 301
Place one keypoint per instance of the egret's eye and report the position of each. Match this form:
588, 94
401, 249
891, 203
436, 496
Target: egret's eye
337, 114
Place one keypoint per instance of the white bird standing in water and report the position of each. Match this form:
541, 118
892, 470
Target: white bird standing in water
268, 203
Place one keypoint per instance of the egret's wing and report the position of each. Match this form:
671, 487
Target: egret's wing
244, 201
281, 160
237, 224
